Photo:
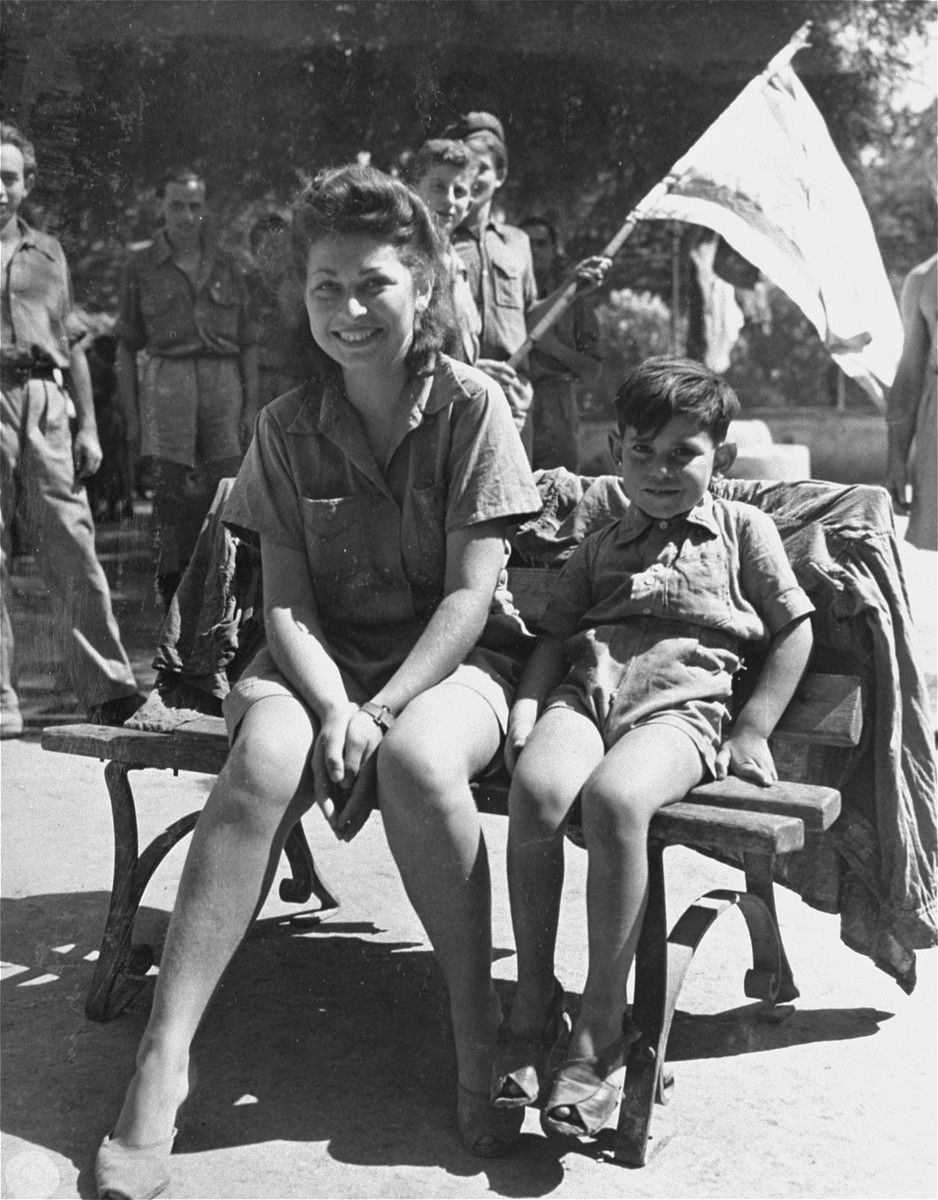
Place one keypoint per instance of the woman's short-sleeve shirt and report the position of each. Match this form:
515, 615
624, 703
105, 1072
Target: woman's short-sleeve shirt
375, 538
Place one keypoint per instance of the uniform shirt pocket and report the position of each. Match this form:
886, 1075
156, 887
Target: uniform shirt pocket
335, 541
424, 538
506, 284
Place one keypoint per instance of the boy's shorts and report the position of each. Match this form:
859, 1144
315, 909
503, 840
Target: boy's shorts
702, 720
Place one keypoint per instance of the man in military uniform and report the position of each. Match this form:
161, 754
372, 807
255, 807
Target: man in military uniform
184, 301
44, 379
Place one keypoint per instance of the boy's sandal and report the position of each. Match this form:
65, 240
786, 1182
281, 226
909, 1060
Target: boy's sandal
523, 1061
585, 1093
486, 1131
132, 1172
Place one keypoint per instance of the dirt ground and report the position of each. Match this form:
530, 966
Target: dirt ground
324, 1068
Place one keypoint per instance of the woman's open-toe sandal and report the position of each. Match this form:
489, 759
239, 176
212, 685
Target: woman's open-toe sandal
486, 1131
132, 1172
523, 1062
585, 1093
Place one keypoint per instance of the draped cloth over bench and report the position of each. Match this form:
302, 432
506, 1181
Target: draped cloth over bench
876, 866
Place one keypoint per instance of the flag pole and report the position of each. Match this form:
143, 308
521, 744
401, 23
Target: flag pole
778, 62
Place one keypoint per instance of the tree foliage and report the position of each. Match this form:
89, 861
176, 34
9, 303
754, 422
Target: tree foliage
599, 97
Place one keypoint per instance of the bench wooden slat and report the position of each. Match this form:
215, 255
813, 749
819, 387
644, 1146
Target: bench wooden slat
683, 824
818, 807
826, 709
203, 750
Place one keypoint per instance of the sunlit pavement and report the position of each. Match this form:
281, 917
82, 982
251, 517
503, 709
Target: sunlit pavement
324, 1068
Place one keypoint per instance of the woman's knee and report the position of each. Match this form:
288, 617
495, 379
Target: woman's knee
417, 773
267, 770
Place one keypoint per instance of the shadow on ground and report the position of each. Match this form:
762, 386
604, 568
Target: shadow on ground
318, 1033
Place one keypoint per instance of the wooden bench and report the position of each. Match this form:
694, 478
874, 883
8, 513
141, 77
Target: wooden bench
756, 825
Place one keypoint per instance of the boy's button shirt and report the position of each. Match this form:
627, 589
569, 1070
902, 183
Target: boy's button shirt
162, 311
721, 567
501, 274
37, 299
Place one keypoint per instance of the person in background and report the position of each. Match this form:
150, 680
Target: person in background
911, 406
184, 301
111, 488
566, 357
442, 174
44, 378
500, 272
277, 314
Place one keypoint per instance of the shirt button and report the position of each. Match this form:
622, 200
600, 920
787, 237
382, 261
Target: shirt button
646, 612
662, 524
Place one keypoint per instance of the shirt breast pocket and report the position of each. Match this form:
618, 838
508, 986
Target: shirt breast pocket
223, 293
157, 298
424, 537
506, 284
335, 541
699, 586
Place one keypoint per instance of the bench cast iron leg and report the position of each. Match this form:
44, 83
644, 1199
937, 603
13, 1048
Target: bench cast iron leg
121, 968
661, 962
120, 971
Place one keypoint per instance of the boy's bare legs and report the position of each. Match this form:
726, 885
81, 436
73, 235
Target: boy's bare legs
562, 752
443, 738
261, 792
650, 766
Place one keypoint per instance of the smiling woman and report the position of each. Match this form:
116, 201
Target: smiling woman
381, 492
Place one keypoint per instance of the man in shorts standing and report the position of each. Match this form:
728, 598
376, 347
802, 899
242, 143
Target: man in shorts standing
185, 302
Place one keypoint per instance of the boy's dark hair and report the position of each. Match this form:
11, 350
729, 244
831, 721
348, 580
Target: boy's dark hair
267, 223
667, 386
178, 175
11, 136
475, 122
447, 152
484, 141
362, 200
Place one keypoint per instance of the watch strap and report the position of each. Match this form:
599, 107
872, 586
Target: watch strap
380, 714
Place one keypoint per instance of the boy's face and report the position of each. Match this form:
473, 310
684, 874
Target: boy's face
487, 181
666, 475
183, 208
446, 191
15, 182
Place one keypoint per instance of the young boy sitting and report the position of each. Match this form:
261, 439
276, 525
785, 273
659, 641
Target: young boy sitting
441, 173
624, 704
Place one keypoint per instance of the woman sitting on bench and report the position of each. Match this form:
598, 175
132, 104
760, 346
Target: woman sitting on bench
382, 492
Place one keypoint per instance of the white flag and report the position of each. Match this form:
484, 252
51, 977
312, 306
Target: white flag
767, 177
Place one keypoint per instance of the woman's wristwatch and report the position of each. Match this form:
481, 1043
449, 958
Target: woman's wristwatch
380, 714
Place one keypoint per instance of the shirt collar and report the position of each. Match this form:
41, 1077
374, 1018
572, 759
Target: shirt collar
634, 524
31, 239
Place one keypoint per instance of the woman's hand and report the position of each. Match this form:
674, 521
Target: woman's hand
746, 753
346, 742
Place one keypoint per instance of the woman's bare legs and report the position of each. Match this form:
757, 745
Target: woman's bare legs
648, 767
562, 752
442, 739
261, 792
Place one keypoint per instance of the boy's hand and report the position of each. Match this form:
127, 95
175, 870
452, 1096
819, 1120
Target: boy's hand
520, 723
746, 754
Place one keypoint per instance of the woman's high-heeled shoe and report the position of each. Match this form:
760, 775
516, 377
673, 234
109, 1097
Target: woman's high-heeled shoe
486, 1131
132, 1172
523, 1061
585, 1093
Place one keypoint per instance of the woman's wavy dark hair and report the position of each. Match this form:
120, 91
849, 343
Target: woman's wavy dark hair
362, 200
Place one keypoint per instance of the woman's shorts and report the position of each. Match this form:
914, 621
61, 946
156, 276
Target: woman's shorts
491, 675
